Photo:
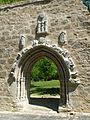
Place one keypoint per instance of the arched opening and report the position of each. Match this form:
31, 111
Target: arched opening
45, 84
24, 70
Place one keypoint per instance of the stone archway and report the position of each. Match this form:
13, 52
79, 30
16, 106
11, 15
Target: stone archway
27, 61
27, 57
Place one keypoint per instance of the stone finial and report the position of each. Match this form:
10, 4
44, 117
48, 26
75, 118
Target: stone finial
42, 24
22, 42
62, 39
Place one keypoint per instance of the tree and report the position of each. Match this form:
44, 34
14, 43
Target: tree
44, 69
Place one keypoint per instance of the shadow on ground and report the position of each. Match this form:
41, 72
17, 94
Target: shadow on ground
51, 103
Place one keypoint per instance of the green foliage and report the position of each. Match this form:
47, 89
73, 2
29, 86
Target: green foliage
44, 69
8, 1
45, 88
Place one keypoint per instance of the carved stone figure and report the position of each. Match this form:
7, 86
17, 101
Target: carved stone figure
48, 42
22, 42
74, 74
18, 56
72, 65
68, 60
54, 46
35, 43
42, 40
62, 38
13, 68
24, 50
41, 24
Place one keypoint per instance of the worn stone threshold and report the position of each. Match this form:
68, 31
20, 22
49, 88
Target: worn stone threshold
43, 113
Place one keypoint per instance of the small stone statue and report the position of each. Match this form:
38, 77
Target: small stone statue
62, 38
22, 42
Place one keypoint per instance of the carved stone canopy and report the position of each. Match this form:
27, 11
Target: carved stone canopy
42, 24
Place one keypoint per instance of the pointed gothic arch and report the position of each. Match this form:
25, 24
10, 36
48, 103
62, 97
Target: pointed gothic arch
25, 61
27, 57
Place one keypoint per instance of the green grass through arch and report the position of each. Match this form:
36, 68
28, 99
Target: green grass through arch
45, 78
45, 88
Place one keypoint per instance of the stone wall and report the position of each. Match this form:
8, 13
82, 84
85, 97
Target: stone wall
21, 18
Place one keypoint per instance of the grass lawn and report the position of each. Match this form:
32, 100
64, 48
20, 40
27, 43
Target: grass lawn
45, 88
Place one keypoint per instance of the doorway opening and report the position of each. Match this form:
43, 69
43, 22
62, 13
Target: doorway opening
22, 73
45, 84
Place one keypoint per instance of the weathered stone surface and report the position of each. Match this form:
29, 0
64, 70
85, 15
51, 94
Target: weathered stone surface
3, 74
2, 61
69, 15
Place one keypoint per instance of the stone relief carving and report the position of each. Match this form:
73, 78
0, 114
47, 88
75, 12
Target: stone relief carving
22, 42
48, 42
68, 60
42, 24
42, 40
62, 39
34, 43
70, 63
24, 50
13, 68
18, 56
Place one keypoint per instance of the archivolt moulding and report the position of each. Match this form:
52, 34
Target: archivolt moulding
28, 56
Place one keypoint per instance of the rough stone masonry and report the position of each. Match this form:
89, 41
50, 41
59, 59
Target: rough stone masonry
68, 15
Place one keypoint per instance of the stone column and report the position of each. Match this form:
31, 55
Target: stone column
18, 96
64, 104
18, 90
21, 88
